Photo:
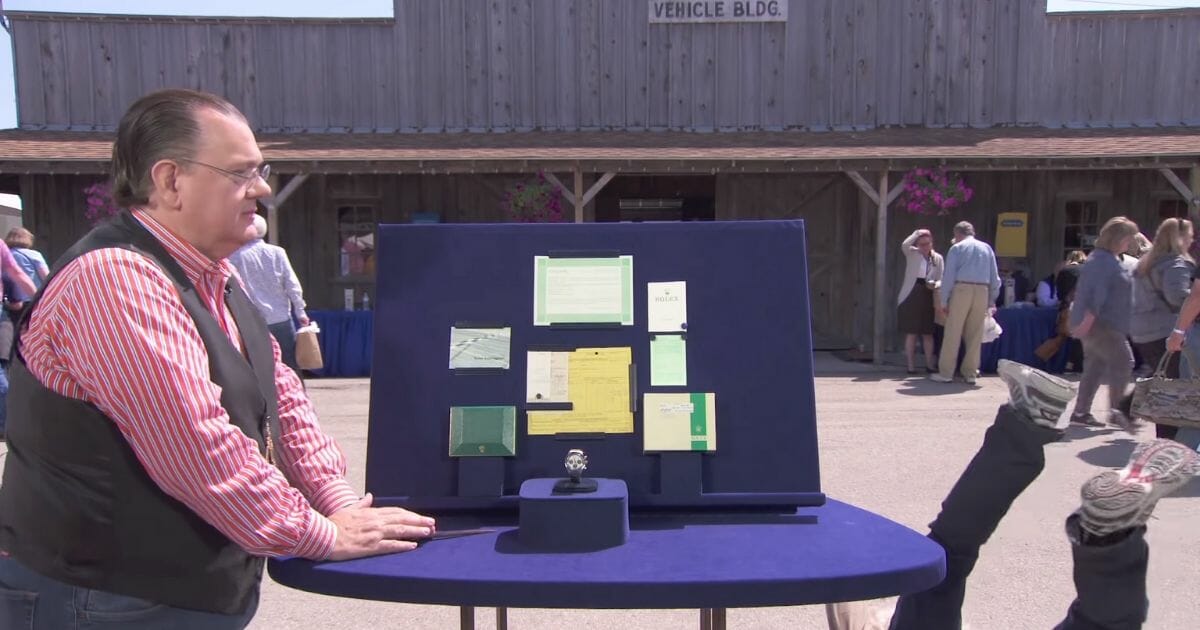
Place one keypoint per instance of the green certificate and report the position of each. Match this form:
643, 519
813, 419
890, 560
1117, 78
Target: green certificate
582, 290
668, 360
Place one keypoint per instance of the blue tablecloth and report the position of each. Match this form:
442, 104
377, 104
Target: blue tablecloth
345, 342
1024, 330
832, 553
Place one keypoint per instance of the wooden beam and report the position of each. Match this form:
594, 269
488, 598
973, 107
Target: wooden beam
895, 192
566, 192
578, 196
1194, 173
864, 186
595, 188
1181, 187
294, 183
881, 200
274, 201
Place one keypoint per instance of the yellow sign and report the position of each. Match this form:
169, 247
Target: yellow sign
1012, 234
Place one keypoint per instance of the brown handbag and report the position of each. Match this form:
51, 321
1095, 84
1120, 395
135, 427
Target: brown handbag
308, 350
1162, 400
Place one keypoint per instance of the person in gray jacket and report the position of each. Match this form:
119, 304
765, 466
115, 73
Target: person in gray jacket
1100, 317
1161, 283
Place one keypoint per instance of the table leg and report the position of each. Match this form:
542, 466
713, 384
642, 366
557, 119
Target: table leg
705, 619
466, 618
718, 619
501, 619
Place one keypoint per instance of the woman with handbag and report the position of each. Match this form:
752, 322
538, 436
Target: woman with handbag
915, 314
1161, 283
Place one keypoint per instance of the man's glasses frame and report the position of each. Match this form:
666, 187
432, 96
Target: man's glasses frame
246, 179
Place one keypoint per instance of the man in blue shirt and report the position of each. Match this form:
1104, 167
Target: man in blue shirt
970, 285
272, 285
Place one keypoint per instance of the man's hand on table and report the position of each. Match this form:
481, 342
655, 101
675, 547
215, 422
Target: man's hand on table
370, 531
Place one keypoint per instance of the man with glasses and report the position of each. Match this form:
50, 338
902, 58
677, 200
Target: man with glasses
158, 446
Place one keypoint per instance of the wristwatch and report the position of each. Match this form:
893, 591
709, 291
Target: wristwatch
575, 463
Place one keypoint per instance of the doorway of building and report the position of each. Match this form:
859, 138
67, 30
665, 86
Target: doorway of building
657, 198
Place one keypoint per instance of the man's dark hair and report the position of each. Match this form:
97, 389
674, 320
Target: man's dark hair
159, 125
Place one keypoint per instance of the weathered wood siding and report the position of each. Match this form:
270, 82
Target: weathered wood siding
590, 64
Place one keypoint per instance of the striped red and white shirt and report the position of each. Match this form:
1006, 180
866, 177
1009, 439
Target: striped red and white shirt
111, 330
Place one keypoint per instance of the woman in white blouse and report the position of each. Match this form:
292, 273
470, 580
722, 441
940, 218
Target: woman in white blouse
922, 273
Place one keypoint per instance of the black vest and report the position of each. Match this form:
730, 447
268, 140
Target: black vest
77, 506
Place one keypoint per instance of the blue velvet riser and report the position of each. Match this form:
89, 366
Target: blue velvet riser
574, 522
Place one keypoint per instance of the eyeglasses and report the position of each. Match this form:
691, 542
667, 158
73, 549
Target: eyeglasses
246, 178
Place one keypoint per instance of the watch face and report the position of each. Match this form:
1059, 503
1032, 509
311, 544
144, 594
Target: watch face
576, 461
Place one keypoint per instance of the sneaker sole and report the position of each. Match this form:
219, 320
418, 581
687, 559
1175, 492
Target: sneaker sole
1052, 386
1115, 500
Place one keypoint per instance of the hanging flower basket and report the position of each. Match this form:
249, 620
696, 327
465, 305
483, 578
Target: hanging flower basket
100, 204
934, 191
537, 200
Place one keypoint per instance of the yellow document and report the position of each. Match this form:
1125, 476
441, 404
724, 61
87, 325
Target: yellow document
598, 390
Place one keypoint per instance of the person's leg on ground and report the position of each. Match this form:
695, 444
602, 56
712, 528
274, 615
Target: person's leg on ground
973, 331
910, 351
958, 305
1152, 352
1010, 458
927, 344
1119, 372
1107, 535
285, 334
1094, 369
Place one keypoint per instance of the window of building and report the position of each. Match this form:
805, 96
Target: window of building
356, 251
1172, 209
1081, 227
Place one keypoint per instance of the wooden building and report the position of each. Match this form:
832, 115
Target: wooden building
816, 112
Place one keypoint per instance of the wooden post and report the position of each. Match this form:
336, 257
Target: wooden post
881, 235
579, 202
277, 199
1194, 179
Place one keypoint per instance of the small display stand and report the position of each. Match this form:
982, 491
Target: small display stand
575, 521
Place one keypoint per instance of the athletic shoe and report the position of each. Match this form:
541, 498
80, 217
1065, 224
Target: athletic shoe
1119, 419
938, 378
1037, 394
1116, 500
1086, 419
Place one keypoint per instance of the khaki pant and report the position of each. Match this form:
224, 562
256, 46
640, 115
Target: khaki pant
968, 307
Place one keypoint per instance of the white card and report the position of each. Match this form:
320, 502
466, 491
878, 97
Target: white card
666, 306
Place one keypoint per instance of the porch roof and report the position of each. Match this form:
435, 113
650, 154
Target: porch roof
1010, 148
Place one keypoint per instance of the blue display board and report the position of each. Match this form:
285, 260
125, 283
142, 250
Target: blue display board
748, 341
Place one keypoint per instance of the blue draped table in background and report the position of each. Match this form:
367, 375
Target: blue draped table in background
1024, 330
345, 342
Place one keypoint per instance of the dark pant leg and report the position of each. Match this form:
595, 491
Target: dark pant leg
1009, 460
285, 334
1075, 354
1110, 583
